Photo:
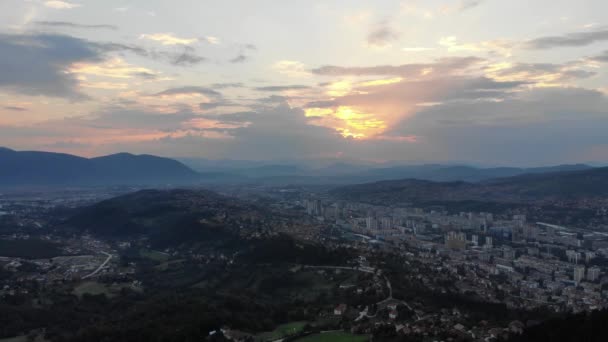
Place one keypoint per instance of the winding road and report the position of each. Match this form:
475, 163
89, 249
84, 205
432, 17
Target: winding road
100, 266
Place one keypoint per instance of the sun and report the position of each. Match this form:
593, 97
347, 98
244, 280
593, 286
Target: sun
349, 121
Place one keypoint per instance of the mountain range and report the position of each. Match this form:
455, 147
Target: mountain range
47, 168
548, 186
350, 172
38, 168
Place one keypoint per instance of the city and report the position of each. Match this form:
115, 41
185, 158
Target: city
303, 171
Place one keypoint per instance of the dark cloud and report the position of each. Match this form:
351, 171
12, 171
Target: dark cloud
243, 54
540, 126
441, 66
469, 4
146, 75
217, 104
568, 40
602, 58
405, 98
282, 88
233, 118
272, 100
530, 127
382, 35
135, 118
37, 64
190, 90
241, 58
321, 104
67, 24
186, 58
533, 71
119, 47
227, 85
14, 108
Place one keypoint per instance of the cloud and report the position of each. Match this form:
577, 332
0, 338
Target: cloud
321, 104
441, 66
186, 58
382, 35
282, 88
602, 58
272, 100
212, 40
539, 74
289, 68
499, 46
536, 127
416, 49
113, 117
217, 104
60, 4
119, 47
469, 4
227, 85
567, 40
14, 108
190, 90
111, 68
67, 24
528, 127
39, 64
168, 39
239, 59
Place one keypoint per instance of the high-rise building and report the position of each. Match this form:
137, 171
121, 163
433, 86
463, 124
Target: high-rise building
371, 223
455, 240
573, 256
386, 223
579, 274
475, 240
593, 273
339, 211
489, 242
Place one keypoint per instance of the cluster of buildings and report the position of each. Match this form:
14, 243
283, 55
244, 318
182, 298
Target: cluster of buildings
502, 259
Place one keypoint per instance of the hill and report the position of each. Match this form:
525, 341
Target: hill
571, 185
47, 168
166, 217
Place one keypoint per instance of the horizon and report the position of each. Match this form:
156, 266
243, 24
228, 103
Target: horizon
321, 163
390, 81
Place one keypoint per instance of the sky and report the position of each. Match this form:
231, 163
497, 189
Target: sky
490, 82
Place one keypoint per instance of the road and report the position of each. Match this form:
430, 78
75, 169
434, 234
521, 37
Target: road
388, 285
100, 266
342, 268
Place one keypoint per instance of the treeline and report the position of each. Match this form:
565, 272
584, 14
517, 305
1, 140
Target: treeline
588, 327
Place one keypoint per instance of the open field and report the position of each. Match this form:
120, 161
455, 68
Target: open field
282, 331
154, 255
96, 288
92, 288
338, 336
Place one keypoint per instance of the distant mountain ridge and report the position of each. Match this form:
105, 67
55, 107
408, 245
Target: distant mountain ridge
49, 168
19, 168
350, 173
447, 173
566, 185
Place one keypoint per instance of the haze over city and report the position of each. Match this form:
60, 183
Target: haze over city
477, 81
